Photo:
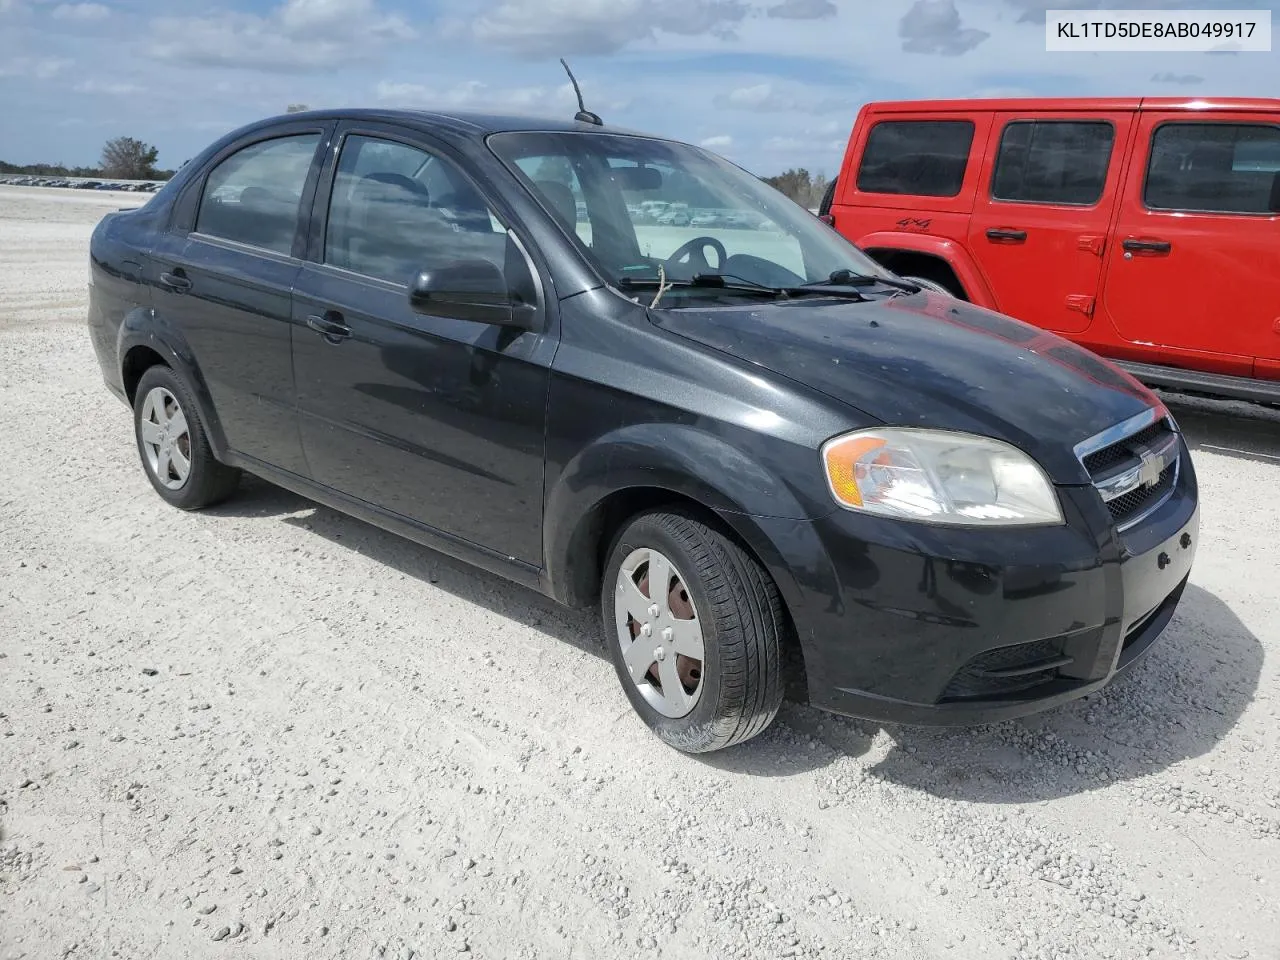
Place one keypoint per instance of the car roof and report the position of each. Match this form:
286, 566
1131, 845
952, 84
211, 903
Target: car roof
464, 123
1068, 104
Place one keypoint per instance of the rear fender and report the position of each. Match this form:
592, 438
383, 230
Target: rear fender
144, 328
952, 253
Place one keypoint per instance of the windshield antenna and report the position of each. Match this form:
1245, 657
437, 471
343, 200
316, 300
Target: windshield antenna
583, 115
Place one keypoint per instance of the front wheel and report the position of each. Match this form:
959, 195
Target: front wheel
694, 626
933, 285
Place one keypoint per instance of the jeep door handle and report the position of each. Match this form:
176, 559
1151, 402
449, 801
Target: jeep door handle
1147, 246
1002, 235
329, 326
177, 281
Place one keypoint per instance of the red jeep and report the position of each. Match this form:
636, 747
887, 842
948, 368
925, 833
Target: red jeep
1147, 230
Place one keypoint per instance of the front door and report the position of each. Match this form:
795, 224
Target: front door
1040, 220
438, 420
1195, 267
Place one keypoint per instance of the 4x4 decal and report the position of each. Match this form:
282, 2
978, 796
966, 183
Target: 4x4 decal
914, 223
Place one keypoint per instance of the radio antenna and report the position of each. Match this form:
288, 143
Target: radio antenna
583, 115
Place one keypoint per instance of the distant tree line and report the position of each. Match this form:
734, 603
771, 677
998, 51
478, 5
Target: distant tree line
804, 188
123, 158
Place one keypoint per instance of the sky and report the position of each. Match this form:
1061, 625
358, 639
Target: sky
771, 84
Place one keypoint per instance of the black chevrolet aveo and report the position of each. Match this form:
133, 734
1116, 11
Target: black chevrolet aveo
623, 371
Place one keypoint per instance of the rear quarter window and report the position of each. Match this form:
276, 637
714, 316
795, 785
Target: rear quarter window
921, 158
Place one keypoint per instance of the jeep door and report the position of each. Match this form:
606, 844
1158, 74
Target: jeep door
1195, 267
1041, 216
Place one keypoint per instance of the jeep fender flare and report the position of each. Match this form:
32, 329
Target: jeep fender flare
949, 251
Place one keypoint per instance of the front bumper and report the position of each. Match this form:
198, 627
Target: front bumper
913, 623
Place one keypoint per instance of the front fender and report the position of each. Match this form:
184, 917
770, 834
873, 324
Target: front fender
145, 328
947, 250
682, 460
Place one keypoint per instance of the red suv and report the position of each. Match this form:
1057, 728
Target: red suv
1147, 230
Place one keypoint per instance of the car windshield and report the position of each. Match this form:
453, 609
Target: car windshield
635, 204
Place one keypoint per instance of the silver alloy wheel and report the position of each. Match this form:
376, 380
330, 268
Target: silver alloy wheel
659, 632
166, 438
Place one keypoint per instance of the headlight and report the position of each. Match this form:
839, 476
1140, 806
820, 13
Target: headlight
939, 477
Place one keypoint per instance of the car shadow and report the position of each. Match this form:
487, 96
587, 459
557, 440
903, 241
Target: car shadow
1176, 703
260, 499
1245, 431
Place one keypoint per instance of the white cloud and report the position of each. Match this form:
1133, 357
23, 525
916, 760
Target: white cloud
1186, 79
771, 98
80, 11
298, 35
476, 95
934, 26
107, 88
803, 10
544, 28
38, 68
718, 142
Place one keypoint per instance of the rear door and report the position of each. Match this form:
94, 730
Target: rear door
223, 276
1195, 267
1040, 220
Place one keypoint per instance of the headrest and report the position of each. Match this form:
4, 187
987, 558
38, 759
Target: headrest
560, 198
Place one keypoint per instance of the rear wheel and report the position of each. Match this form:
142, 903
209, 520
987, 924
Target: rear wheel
694, 626
174, 446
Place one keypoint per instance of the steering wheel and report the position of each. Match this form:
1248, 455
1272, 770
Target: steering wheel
695, 252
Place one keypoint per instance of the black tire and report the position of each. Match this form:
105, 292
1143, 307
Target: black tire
743, 625
208, 481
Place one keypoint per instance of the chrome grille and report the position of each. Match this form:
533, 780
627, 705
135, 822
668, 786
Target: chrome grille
1134, 465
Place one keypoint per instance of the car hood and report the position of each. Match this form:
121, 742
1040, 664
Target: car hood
927, 360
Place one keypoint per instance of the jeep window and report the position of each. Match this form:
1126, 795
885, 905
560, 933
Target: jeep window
253, 195
922, 158
1214, 168
1053, 161
396, 209
632, 203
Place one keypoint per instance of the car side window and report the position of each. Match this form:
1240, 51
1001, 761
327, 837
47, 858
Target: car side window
396, 209
1053, 161
254, 195
921, 158
1214, 168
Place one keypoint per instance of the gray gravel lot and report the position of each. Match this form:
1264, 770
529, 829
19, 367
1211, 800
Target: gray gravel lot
270, 730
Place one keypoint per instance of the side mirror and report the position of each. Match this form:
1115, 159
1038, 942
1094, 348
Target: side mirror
469, 290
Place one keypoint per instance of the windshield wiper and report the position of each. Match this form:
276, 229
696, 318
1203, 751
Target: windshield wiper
727, 281
847, 278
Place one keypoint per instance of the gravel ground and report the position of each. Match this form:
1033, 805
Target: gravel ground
275, 731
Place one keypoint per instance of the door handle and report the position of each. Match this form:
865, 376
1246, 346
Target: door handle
1002, 235
1147, 246
177, 281
329, 326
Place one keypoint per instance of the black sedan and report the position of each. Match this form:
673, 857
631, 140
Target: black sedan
751, 446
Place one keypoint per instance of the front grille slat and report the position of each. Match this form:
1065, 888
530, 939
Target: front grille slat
1125, 453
